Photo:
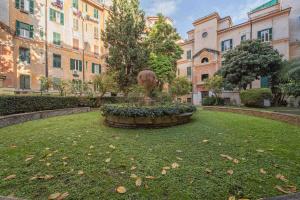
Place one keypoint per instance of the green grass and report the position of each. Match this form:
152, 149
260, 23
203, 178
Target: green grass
149, 150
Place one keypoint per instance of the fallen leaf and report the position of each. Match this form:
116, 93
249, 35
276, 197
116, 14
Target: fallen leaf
33, 178
164, 172
166, 168
112, 146
89, 154
138, 182
231, 198
262, 171
80, 172
280, 189
91, 147
235, 161
54, 196
178, 158
107, 160
230, 172
175, 165
226, 157
49, 155
121, 189
132, 159
65, 158
133, 168
281, 177
178, 151
260, 150
292, 188
47, 177
29, 158
150, 177
13, 146
133, 176
65, 163
48, 164
10, 177
63, 196
208, 170
205, 141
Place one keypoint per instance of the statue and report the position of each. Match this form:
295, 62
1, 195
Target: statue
148, 80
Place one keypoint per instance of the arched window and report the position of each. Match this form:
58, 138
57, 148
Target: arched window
204, 60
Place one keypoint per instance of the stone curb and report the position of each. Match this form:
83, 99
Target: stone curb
287, 118
24, 117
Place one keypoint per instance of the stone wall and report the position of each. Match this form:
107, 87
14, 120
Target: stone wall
24, 117
287, 118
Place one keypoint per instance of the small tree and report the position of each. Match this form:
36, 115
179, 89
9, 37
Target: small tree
104, 83
46, 84
249, 61
215, 84
180, 86
61, 86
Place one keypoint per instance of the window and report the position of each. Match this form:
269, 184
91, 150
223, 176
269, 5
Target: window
96, 13
56, 60
96, 68
243, 38
189, 54
25, 82
205, 60
189, 72
56, 16
75, 24
87, 46
265, 35
264, 82
24, 55
204, 35
86, 7
25, 5
24, 30
75, 43
96, 32
75, 4
76, 65
226, 45
204, 77
56, 38
96, 50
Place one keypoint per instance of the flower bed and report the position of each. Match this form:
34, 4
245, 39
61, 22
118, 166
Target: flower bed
130, 116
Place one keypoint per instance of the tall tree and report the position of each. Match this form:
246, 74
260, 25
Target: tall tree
249, 61
123, 36
162, 43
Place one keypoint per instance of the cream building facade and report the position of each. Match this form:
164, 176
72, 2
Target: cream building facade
277, 22
59, 39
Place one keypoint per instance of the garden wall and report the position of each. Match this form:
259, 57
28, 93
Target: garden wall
24, 117
287, 118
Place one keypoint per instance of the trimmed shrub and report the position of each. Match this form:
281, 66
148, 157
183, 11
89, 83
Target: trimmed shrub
213, 101
129, 110
255, 97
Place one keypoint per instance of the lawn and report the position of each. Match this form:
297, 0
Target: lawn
89, 160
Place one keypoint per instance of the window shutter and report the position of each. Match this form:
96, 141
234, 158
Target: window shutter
22, 4
17, 27
31, 31
264, 82
222, 46
99, 69
31, 6
231, 43
27, 82
22, 82
72, 64
271, 34
52, 14
62, 18
28, 55
18, 4
259, 35
93, 68
80, 65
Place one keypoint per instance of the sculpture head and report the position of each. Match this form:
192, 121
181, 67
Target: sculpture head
147, 79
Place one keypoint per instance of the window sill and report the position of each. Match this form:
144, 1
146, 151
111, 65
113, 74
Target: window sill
25, 11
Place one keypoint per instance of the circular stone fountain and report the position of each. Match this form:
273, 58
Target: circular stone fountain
152, 114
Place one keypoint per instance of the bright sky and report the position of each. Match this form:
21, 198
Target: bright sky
184, 12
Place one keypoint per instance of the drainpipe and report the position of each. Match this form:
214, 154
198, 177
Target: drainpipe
83, 50
46, 38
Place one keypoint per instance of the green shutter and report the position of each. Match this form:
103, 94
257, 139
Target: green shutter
80, 65
31, 31
18, 4
52, 15
17, 27
93, 68
31, 6
22, 82
271, 34
222, 46
22, 4
28, 56
264, 82
259, 35
75, 4
62, 18
72, 64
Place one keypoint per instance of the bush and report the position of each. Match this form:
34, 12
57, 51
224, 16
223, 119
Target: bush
20, 104
128, 110
213, 101
255, 97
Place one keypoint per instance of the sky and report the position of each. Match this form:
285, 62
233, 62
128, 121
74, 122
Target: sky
184, 12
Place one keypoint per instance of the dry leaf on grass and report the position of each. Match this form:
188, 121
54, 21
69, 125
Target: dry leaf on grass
54, 196
178, 151
29, 158
138, 182
91, 147
164, 172
205, 141
230, 172
175, 165
208, 170
133, 168
231, 198
133, 176
280, 189
10, 177
107, 160
46, 177
262, 171
13, 146
112, 146
236, 161
166, 168
281, 177
226, 157
65, 158
260, 150
150, 177
48, 164
80, 172
63, 196
121, 190
178, 158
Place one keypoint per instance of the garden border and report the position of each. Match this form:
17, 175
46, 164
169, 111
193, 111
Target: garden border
14, 119
287, 118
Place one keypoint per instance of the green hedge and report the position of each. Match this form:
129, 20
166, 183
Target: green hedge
213, 101
129, 110
255, 97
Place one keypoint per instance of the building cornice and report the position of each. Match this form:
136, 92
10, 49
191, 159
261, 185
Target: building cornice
206, 18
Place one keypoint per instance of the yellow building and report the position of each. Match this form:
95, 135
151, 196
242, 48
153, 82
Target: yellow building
275, 21
59, 39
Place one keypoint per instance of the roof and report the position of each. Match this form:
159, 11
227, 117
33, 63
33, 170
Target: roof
206, 49
266, 5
